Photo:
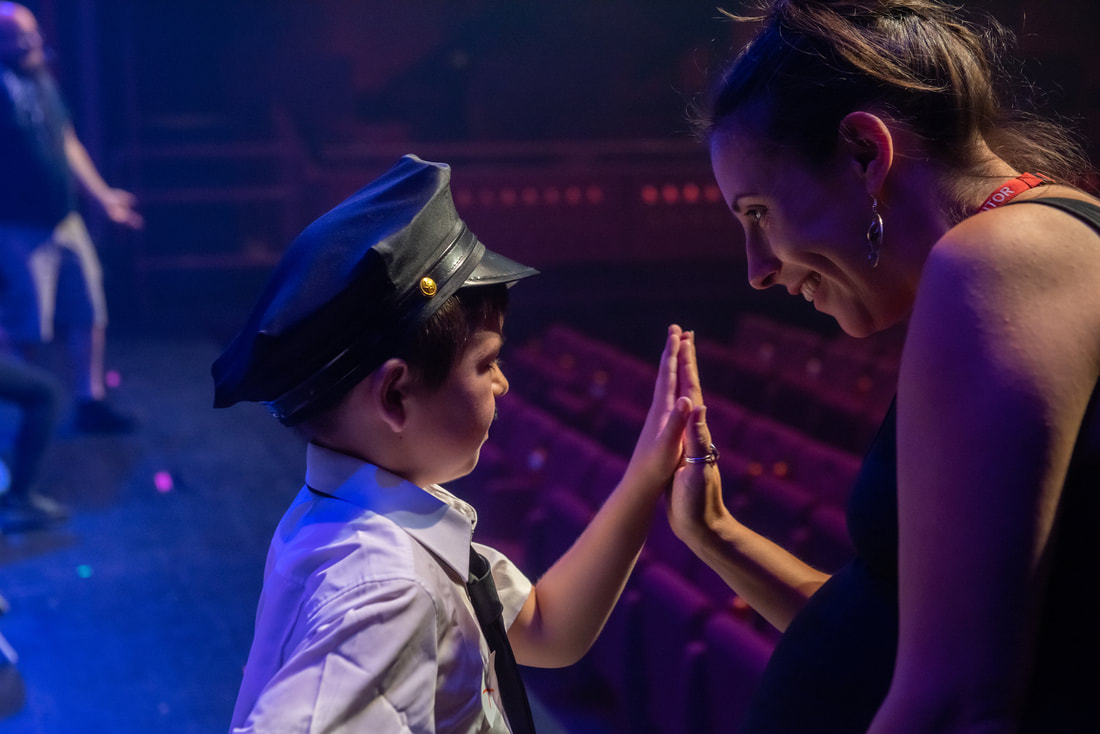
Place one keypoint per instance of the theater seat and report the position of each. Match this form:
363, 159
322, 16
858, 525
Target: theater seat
671, 618
734, 660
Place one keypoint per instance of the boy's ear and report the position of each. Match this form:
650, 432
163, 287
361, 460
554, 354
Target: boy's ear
390, 386
867, 141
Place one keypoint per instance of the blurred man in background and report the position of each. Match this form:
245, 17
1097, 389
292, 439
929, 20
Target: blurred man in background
42, 235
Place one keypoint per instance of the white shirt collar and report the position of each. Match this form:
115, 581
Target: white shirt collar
434, 517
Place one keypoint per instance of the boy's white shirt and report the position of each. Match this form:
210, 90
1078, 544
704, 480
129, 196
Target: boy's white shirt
364, 623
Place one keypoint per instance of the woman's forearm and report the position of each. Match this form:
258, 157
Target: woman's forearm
767, 577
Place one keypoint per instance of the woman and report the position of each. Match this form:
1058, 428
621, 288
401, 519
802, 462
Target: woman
861, 147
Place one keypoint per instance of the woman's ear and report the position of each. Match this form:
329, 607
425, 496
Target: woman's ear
869, 145
389, 392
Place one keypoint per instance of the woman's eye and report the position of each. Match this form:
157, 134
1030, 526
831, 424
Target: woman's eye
755, 214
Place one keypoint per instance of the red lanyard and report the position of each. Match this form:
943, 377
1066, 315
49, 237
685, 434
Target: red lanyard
1008, 192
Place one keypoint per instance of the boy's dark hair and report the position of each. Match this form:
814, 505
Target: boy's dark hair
434, 348
432, 351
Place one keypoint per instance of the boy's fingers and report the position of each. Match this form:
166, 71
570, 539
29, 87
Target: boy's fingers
678, 420
666, 375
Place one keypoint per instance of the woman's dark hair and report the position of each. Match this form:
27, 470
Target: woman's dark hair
432, 350
917, 61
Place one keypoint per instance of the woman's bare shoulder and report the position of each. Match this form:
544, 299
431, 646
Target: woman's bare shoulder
1020, 282
1024, 248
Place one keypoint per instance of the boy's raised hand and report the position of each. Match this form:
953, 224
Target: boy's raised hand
573, 599
659, 449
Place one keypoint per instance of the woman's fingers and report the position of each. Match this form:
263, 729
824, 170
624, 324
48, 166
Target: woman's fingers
687, 370
696, 493
697, 440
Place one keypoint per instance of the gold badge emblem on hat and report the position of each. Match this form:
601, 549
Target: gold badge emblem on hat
427, 287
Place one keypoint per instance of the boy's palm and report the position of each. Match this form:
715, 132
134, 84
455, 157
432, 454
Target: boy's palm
659, 449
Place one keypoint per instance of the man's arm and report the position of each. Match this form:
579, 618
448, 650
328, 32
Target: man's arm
117, 204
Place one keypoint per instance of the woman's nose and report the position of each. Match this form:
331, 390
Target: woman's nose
763, 265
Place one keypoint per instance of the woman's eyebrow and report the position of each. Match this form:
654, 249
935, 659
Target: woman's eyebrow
734, 202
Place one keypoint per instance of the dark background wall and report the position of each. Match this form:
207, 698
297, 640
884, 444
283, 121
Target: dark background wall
238, 122
453, 70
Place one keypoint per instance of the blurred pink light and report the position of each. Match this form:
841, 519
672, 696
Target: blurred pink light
162, 480
112, 378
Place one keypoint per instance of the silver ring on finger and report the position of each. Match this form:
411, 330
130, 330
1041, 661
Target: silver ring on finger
710, 458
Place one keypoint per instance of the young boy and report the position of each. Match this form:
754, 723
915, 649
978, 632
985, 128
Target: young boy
378, 337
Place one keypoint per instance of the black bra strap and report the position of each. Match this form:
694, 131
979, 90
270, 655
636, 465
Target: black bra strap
1083, 210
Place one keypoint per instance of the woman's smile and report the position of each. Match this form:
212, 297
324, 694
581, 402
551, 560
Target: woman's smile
809, 286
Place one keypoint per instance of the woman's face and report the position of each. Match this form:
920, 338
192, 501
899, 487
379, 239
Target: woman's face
806, 230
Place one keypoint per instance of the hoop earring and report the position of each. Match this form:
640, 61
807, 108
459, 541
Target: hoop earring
874, 234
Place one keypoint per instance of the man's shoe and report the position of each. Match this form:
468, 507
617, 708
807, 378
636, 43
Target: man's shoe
97, 416
32, 511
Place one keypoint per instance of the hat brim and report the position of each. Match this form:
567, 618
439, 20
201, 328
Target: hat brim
495, 268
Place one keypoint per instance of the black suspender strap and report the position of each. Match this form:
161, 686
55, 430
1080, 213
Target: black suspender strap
489, 610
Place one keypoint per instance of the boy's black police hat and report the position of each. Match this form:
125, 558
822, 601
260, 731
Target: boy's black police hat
351, 288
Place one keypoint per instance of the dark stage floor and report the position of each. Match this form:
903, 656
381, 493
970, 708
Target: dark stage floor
137, 615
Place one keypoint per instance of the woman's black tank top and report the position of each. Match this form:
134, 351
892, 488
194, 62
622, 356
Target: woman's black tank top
832, 668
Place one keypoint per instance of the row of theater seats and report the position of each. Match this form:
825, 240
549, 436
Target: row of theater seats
835, 389
603, 392
680, 652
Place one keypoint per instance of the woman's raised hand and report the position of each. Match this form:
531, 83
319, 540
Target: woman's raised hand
695, 498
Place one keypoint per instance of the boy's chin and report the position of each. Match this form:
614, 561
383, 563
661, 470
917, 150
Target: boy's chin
452, 475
